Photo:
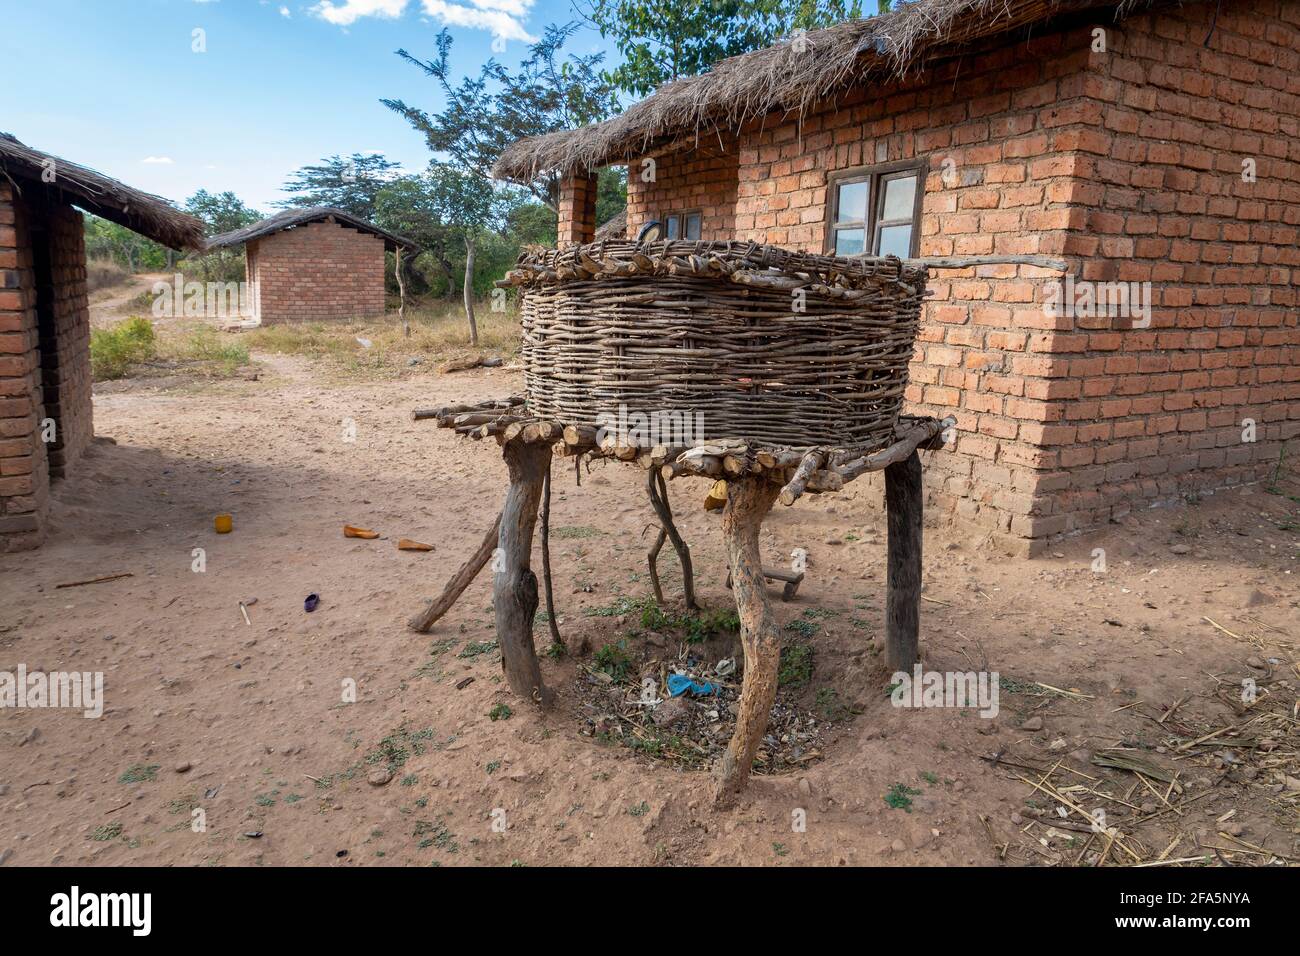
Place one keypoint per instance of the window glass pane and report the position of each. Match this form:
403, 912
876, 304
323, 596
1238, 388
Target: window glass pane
849, 242
693, 226
670, 226
895, 241
852, 204
900, 198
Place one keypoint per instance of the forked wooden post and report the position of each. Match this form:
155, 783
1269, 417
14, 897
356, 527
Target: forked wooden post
904, 504
748, 502
514, 586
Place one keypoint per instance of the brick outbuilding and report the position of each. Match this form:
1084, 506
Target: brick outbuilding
1153, 146
46, 419
314, 264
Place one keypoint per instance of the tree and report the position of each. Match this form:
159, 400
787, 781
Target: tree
442, 209
481, 116
108, 240
664, 40
220, 212
349, 184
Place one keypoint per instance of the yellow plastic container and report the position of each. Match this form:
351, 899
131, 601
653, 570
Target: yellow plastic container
223, 523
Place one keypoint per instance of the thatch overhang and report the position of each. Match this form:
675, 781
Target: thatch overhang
151, 216
788, 78
293, 218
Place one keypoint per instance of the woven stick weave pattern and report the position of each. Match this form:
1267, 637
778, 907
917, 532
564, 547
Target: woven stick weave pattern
752, 342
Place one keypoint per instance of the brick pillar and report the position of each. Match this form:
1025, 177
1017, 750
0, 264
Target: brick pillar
65, 324
577, 211
24, 473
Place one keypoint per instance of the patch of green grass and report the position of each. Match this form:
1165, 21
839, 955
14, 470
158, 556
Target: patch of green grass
639, 810
436, 835
139, 773
500, 712
493, 767
205, 344
410, 780
803, 627
900, 797
620, 606
395, 749
796, 667
475, 648
829, 706
107, 832
780, 849
614, 660
575, 531
114, 350
929, 777
265, 799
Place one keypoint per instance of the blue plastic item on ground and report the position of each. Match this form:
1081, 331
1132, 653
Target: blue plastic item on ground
679, 684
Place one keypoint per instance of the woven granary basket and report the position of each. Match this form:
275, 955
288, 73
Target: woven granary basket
743, 341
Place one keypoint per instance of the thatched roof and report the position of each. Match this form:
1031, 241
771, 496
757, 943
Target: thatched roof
778, 78
292, 218
140, 212
615, 227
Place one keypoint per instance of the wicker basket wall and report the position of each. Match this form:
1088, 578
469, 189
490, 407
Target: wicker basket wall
715, 328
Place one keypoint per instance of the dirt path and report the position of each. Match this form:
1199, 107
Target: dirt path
249, 723
110, 304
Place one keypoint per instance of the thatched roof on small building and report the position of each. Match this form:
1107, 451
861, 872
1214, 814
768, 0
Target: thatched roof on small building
788, 77
615, 227
292, 218
151, 216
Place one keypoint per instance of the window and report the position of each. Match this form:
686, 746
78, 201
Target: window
682, 225
876, 210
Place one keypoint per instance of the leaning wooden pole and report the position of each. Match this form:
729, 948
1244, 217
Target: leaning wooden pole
546, 559
424, 621
748, 501
904, 504
514, 586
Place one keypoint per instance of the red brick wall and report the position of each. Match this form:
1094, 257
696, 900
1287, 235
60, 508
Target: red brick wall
1127, 162
577, 210
44, 358
24, 473
318, 272
1155, 413
703, 177
65, 367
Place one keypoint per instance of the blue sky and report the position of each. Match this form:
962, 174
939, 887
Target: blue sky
114, 84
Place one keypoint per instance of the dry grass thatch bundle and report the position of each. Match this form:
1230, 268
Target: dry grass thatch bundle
719, 340
31, 170
788, 77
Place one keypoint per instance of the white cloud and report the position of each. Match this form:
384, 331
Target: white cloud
284, 12
501, 18
158, 160
350, 11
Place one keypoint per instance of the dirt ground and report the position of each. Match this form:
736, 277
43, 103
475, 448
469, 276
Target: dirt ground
247, 722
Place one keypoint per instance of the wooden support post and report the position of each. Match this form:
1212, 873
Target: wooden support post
424, 621
657, 490
514, 586
903, 502
748, 501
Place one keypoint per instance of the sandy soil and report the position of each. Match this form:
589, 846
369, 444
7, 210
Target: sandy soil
247, 722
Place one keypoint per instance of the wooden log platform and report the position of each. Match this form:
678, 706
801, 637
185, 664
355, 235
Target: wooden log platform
748, 479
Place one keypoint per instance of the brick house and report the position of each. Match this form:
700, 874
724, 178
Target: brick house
1143, 143
46, 418
315, 264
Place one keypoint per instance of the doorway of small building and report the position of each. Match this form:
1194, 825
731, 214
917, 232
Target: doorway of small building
50, 425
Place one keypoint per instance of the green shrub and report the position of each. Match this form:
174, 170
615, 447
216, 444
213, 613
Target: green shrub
113, 351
